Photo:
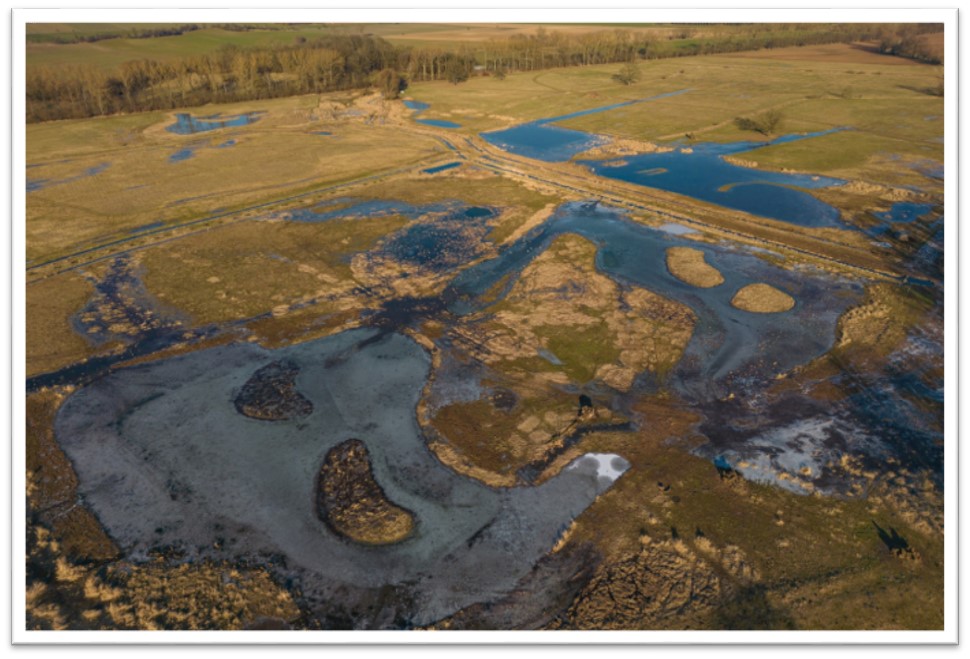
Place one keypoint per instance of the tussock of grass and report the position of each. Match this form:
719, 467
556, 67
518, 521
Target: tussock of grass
688, 265
762, 298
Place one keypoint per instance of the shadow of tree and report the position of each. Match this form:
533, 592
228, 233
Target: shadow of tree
750, 609
893, 541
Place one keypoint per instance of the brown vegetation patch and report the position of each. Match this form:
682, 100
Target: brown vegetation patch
769, 574
762, 298
353, 504
562, 322
589, 324
870, 331
688, 265
271, 395
52, 484
154, 596
665, 585
51, 340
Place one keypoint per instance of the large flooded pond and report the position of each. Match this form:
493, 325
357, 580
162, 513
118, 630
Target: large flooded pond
542, 140
166, 459
730, 347
700, 171
697, 170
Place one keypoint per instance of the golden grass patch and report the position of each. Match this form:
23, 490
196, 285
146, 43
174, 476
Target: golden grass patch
688, 265
762, 298
353, 504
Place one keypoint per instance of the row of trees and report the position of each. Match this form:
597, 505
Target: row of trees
143, 32
911, 41
102, 35
356, 61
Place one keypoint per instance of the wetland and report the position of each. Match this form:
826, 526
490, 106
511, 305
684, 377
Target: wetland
460, 364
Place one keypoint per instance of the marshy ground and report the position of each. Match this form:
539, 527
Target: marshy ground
313, 374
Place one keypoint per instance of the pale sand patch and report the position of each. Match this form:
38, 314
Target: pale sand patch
762, 298
688, 265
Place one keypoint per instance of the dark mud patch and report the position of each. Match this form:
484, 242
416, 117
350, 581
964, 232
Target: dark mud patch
122, 309
271, 395
441, 244
351, 502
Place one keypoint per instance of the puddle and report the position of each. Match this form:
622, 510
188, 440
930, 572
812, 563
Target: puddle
442, 242
420, 107
441, 168
930, 169
904, 212
439, 123
607, 466
147, 227
548, 356
122, 309
182, 154
186, 124
35, 184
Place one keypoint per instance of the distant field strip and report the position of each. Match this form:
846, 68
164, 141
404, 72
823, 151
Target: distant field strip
209, 218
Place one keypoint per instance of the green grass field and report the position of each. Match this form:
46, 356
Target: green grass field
883, 100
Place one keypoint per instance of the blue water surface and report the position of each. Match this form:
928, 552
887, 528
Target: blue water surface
34, 184
540, 140
904, 211
701, 172
729, 346
186, 124
182, 154
441, 168
421, 107
440, 123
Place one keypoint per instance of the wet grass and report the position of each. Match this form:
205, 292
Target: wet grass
582, 350
819, 559
248, 268
51, 340
490, 440
876, 95
270, 160
516, 201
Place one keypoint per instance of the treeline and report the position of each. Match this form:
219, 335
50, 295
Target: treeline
548, 49
161, 30
340, 62
130, 33
911, 41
